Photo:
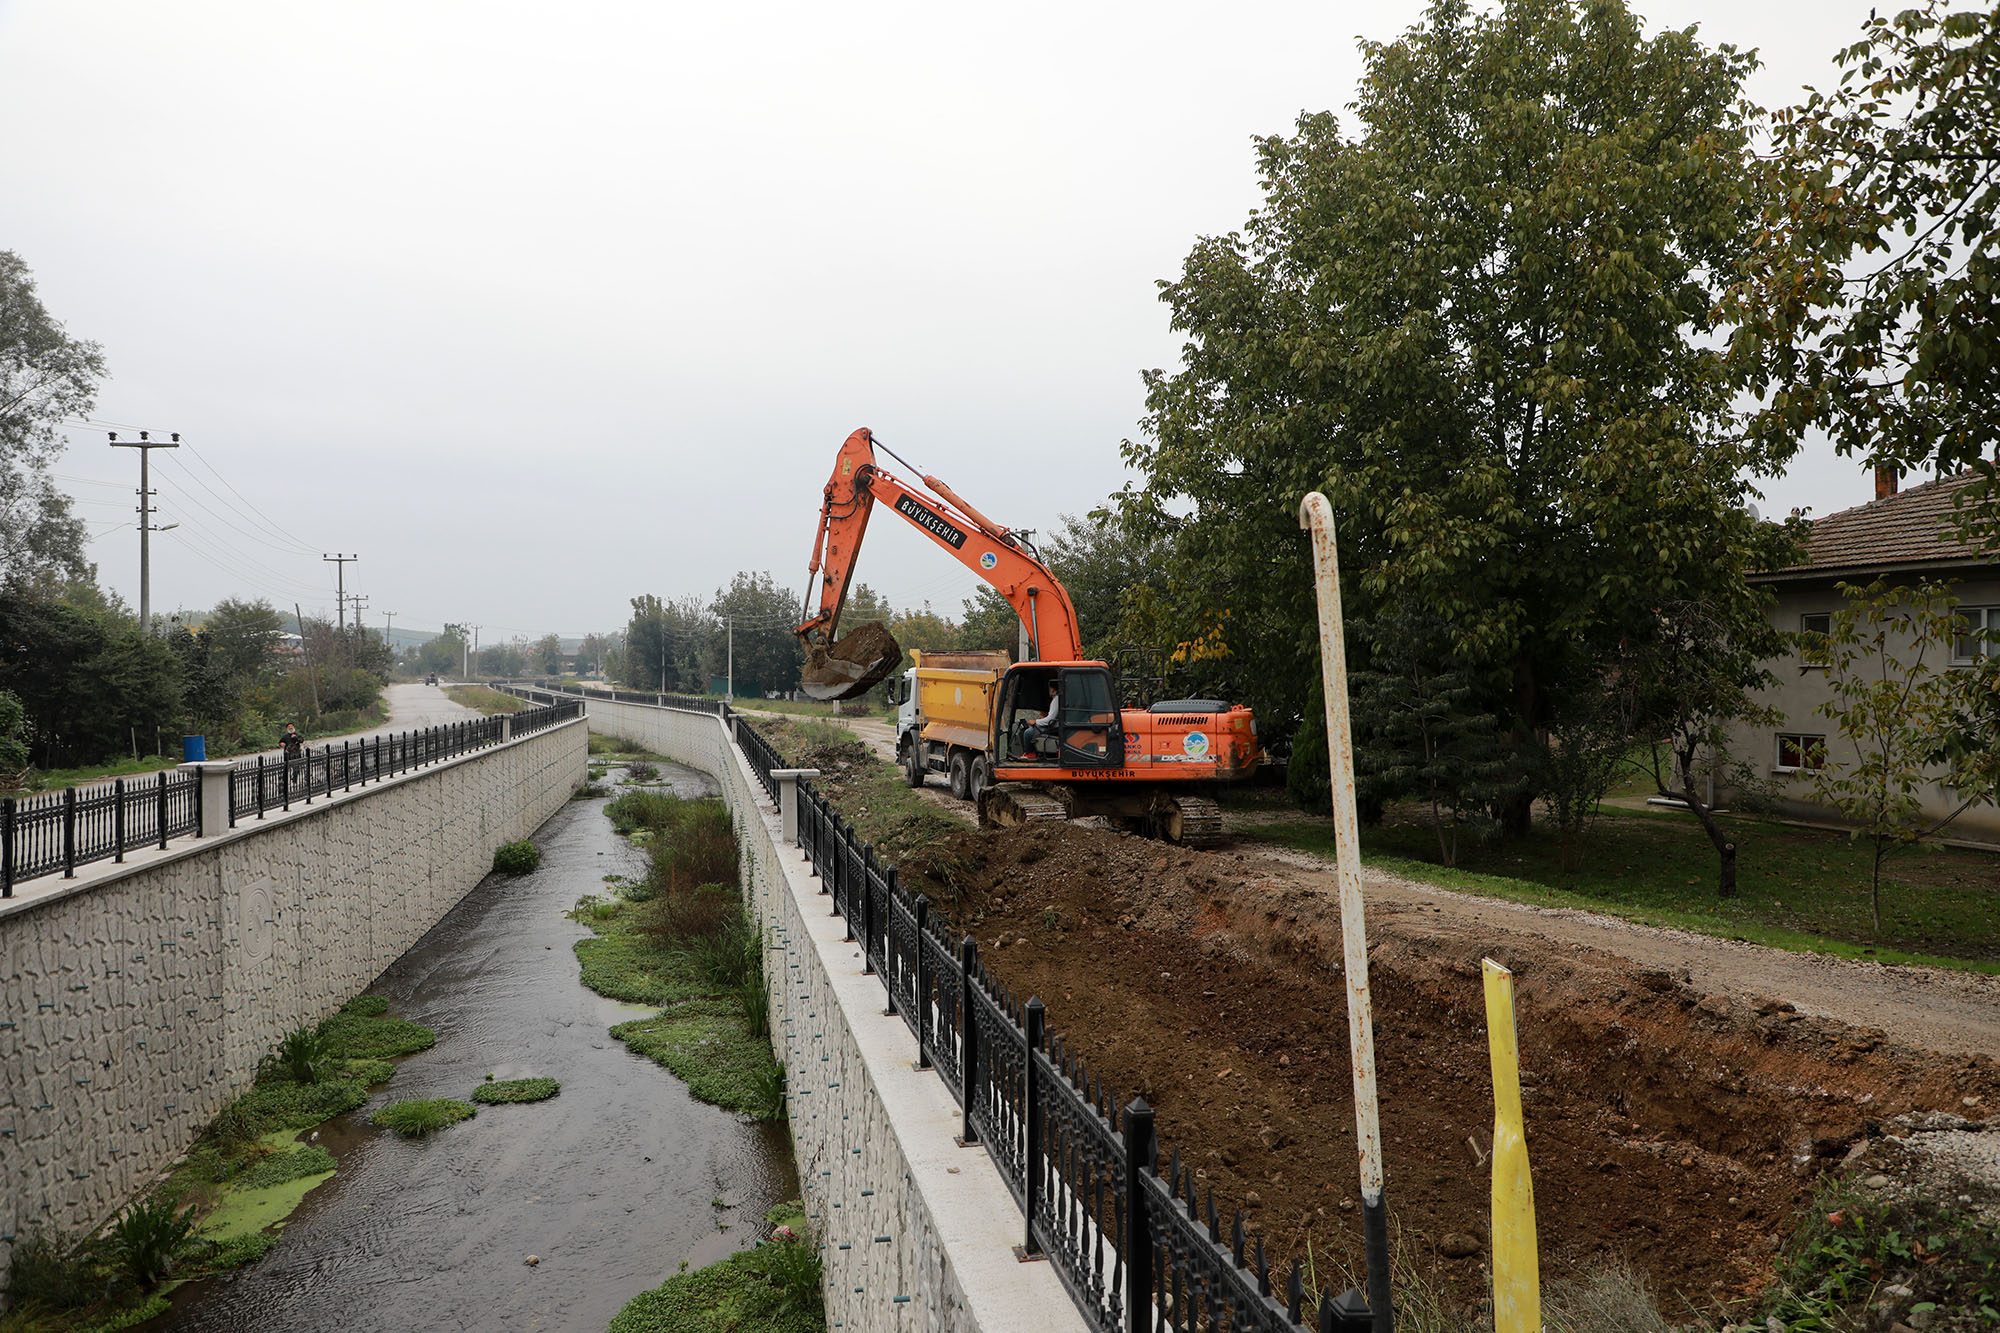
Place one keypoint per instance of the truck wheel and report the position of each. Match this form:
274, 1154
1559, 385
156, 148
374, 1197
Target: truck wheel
913, 766
960, 776
979, 778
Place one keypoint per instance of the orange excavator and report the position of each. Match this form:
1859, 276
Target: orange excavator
1043, 738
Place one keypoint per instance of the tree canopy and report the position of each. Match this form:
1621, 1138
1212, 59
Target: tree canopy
1483, 322
45, 376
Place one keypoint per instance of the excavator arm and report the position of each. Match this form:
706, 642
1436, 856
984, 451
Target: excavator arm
845, 668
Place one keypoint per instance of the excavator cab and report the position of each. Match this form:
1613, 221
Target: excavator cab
1087, 731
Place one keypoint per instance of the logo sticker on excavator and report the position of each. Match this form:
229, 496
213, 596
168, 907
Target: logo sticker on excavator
1195, 743
846, 467
987, 560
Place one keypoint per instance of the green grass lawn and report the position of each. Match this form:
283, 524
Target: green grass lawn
1803, 889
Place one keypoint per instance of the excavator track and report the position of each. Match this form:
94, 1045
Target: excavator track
1015, 805
1191, 821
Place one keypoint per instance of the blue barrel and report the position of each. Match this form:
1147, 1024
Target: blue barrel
194, 749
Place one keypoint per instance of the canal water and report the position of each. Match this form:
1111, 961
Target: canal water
610, 1185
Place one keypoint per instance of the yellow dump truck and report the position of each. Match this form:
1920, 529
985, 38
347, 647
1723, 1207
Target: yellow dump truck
944, 716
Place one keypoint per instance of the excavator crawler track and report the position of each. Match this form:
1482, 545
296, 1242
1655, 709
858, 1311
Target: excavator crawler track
1015, 805
1191, 821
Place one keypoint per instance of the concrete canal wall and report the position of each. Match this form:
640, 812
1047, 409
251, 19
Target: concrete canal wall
918, 1232
136, 999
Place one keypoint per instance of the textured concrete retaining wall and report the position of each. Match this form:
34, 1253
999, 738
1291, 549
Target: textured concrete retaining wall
136, 999
918, 1232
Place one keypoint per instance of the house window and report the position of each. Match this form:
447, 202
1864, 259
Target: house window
1981, 635
1815, 628
1797, 751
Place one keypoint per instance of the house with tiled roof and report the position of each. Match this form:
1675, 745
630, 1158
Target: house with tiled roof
1908, 536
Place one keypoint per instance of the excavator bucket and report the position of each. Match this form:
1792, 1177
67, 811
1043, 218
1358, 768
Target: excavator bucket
847, 667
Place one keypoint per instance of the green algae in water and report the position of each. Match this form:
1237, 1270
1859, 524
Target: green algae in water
414, 1119
516, 1090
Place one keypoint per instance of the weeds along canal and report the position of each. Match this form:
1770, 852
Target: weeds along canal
610, 1185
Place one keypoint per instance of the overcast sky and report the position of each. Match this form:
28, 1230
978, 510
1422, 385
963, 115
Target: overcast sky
537, 307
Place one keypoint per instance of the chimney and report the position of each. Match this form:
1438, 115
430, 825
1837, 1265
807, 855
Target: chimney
1887, 478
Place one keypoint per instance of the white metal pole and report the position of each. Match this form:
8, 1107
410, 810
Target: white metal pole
1316, 516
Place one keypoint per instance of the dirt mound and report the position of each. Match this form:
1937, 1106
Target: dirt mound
1678, 1128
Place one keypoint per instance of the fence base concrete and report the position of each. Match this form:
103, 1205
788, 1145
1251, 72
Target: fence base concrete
136, 999
918, 1232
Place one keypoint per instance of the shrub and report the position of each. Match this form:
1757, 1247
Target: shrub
516, 858
147, 1236
767, 1092
49, 1272
414, 1119
756, 1002
516, 1090
793, 1268
729, 958
304, 1056
674, 920
639, 771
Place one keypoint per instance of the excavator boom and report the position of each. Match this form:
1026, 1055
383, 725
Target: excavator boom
843, 668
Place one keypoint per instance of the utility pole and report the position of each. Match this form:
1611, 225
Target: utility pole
144, 444
357, 601
390, 617
730, 622
340, 563
475, 644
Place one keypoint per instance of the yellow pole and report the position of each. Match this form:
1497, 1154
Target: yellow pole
1517, 1283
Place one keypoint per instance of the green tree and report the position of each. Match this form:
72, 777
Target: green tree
1484, 325
92, 685
15, 733
45, 376
1871, 305
244, 637
445, 654
665, 643
768, 653
548, 656
1898, 707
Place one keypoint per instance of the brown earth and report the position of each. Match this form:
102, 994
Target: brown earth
1674, 1124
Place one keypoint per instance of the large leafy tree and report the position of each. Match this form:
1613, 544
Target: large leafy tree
1872, 298
768, 654
45, 375
1483, 323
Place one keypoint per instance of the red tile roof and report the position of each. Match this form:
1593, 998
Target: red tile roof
1911, 527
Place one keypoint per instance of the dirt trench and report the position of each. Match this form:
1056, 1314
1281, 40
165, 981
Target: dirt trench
1675, 1128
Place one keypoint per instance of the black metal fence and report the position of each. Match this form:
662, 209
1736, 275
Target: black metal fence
1132, 1243
59, 831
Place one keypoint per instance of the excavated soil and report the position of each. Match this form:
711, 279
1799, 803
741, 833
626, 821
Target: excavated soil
1676, 1128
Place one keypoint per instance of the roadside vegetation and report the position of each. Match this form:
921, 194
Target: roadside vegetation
678, 940
216, 1209
907, 830
485, 699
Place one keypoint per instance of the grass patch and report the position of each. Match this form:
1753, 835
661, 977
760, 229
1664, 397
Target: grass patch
622, 964
707, 1045
616, 747
416, 1118
774, 1288
485, 699
1800, 889
814, 708
356, 1037
516, 1090
908, 832
366, 1006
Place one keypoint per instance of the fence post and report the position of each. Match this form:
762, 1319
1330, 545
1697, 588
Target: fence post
1031, 1089
868, 912
69, 833
923, 910
260, 786
346, 767
968, 1037
285, 783
118, 820
1139, 1148
160, 809
7, 848
309, 775
893, 968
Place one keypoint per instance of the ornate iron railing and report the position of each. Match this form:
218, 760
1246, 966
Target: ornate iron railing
58, 831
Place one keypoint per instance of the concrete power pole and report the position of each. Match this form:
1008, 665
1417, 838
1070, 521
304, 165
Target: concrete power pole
146, 510
340, 563
730, 622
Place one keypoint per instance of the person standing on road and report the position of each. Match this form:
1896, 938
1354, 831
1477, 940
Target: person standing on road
294, 746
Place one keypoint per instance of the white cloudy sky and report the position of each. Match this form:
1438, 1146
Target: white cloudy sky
539, 306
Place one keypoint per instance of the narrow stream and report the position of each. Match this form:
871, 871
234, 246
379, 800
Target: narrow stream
610, 1185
